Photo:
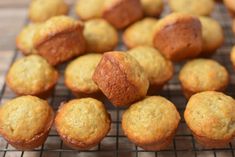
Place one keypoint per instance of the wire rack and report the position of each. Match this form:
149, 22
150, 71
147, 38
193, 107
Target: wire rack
115, 143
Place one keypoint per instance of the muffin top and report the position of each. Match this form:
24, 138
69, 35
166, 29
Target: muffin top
232, 55
83, 121
140, 33
195, 7
41, 10
138, 120
31, 75
100, 36
203, 74
24, 40
211, 114
152, 7
78, 74
24, 118
158, 69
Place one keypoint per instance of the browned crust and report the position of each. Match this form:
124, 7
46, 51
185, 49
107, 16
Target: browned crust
113, 82
188, 34
123, 13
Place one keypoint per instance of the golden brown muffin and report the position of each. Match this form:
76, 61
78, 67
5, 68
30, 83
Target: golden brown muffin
151, 123
82, 123
232, 56
32, 75
195, 7
230, 4
210, 116
212, 35
78, 75
121, 78
158, 69
152, 7
140, 33
60, 39
203, 75
41, 10
100, 36
24, 40
121, 13
183, 28
89, 9
26, 121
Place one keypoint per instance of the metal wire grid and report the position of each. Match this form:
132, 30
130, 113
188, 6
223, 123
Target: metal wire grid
115, 143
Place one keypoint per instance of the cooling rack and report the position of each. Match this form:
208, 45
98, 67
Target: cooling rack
115, 143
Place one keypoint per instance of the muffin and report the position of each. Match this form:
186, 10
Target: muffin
25, 122
214, 112
138, 120
59, 39
121, 78
89, 9
78, 75
140, 33
24, 40
183, 28
203, 75
41, 10
121, 13
212, 35
152, 7
100, 36
82, 123
230, 4
194, 7
32, 75
232, 56
158, 69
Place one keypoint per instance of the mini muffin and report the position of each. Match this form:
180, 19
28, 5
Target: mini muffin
25, 122
78, 75
210, 116
24, 40
121, 13
195, 7
212, 35
203, 75
59, 39
152, 7
140, 33
230, 4
89, 9
121, 78
232, 56
32, 75
100, 36
151, 123
158, 69
41, 10
82, 123
183, 28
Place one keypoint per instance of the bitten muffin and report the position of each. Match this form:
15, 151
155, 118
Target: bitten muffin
230, 4
32, 75
183, 28
232, 56
100, 36
59, 39
140, 33
212, 35
195, 7
78, 75
152, 7
24, 40
82, 123
158, 69
25, 122
121, 78
121, 13
41, 10
89, 9
210, 116
151, 123
203, 75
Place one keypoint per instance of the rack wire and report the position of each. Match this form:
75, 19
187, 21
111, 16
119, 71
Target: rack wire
115, 143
